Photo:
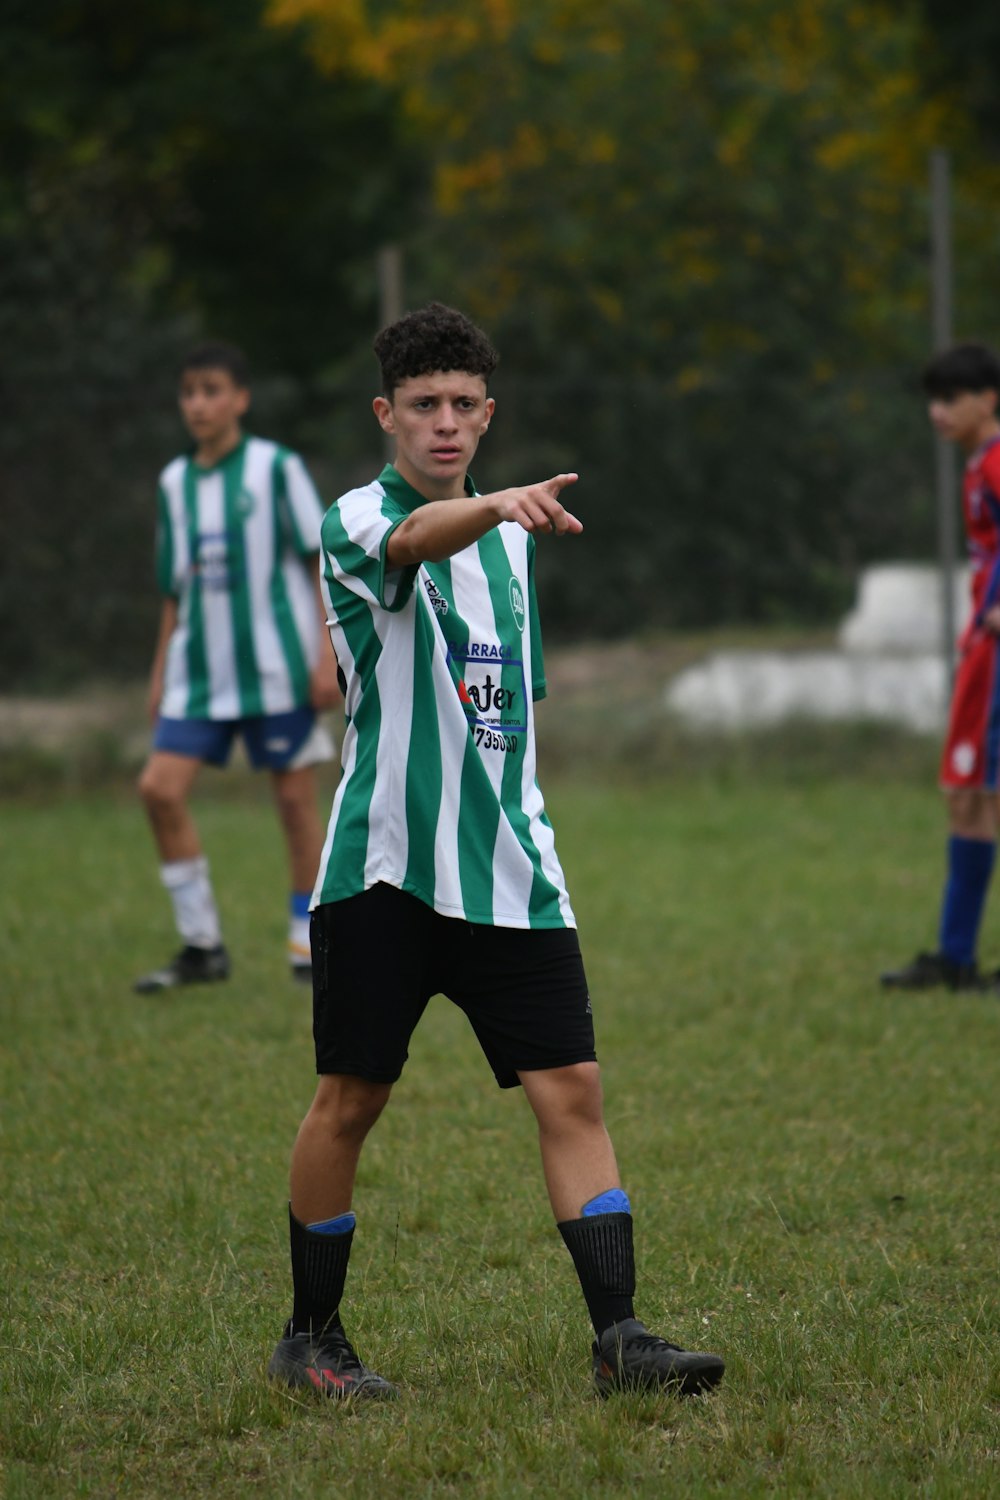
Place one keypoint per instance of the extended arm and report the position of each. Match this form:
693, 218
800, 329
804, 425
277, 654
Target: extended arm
441, 528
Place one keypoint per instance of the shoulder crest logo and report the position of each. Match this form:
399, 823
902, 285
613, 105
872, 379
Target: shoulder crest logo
516, 603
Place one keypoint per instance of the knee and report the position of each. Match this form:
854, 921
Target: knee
971, 814
347, 1108
573, 1098
295, 795
157, 795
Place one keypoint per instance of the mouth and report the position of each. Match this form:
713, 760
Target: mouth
446, 454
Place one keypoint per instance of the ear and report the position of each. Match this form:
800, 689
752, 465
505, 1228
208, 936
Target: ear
383, 412
243, 401
490, 408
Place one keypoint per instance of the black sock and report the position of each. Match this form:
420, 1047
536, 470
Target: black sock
601, 1247
319, 1270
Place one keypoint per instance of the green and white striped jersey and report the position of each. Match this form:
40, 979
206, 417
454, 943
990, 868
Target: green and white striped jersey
442, 661
235, 547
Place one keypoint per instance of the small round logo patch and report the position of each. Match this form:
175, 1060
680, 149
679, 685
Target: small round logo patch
963, 759
516, 603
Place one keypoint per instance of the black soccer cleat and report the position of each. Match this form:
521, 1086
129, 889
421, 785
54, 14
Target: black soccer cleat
328, 1364
627, 1357
302, 973
929, 971
189, 966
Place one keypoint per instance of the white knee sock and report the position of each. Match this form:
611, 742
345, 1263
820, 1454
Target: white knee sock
195, 911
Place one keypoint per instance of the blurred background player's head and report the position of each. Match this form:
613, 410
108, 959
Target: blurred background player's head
214, 396
965, 367
216, 354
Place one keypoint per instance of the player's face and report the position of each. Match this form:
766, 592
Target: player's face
967, 418
437, 421
212, 405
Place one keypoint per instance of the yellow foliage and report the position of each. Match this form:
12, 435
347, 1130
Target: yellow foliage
538, 111
690, 378
609, 303
602, 146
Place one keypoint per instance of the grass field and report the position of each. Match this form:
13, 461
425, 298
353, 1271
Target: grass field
812, 1164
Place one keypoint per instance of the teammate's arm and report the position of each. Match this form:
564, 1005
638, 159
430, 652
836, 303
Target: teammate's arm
168, 624
441, 528
324, 690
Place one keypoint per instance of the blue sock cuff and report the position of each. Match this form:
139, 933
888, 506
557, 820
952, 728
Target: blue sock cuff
299, 903
614, 1201
342, 1224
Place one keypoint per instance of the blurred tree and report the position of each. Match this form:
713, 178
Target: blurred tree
86, 386
258, 191
167, 169
705, 227
698, 234
966, 53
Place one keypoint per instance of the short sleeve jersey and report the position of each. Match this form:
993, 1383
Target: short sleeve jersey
237, 545
442, 661
981, 506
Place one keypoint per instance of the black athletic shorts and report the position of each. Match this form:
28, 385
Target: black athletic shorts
378, 958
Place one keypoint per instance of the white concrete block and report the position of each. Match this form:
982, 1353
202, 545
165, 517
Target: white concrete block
757, 689
899, 609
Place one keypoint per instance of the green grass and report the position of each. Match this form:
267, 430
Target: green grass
812, 1166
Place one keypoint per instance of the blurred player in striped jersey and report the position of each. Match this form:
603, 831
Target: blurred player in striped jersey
963, 388
243, 649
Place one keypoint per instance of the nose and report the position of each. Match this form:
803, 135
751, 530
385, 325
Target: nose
446, 418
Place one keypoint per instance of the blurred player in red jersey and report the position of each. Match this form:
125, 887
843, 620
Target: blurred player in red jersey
963, 389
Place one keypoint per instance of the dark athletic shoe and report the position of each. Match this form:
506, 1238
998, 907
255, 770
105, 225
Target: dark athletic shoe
302, 973
189, 966
328, 1364
930, 971
627, 1357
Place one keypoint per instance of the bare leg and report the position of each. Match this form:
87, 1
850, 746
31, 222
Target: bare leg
298, 808
973, 814
577, 1155
328, 1146
164, 787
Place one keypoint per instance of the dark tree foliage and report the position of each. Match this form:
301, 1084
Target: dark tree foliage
966, 52
714, 507
258, 183
708, 293
169, 170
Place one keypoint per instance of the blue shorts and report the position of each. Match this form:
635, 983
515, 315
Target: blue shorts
273, 742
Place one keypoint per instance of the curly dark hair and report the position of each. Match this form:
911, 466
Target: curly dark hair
965, 367
434, 337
